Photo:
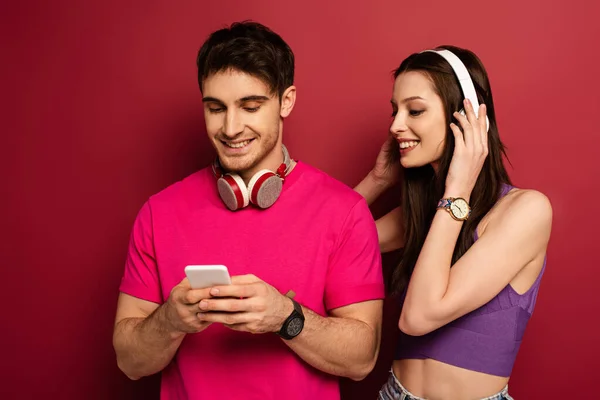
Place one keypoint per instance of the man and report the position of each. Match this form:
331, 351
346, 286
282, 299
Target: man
305, 301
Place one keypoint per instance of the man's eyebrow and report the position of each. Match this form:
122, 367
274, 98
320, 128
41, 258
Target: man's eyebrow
244, 99
253, 98
208, 99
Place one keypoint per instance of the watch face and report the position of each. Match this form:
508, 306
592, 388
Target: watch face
295, 326
459, 208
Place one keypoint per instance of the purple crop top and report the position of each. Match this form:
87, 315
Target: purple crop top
486, 339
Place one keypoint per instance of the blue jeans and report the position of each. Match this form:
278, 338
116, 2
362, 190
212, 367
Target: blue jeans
393, 390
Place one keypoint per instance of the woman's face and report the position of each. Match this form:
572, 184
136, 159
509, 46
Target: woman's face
419, 123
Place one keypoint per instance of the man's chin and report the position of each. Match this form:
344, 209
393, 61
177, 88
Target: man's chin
236, 164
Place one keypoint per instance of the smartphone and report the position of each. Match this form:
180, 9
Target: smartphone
203, 276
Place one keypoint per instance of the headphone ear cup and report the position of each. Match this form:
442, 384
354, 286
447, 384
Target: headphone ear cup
233, 191
264, 188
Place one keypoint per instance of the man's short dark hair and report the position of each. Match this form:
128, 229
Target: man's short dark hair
248, 47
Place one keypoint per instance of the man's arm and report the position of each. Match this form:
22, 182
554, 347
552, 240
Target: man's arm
344, 344
146, 335
143, 343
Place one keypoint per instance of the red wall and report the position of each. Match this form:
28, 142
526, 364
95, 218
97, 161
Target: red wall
100, 109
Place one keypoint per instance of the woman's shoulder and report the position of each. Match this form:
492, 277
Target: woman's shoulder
522, 199
520, 206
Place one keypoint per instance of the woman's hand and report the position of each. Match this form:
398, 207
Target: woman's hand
470, 152
386, 171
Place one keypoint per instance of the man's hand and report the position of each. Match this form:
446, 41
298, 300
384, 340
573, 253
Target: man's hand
181, 308
248, 305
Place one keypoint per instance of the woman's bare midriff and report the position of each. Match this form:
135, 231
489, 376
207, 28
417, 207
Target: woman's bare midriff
434, 380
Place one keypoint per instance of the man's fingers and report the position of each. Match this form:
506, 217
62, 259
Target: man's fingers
193, 296
225, 305
185, 283
225, 318
244, 279
238, 291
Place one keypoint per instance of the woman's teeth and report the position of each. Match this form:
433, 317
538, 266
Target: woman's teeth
406, 145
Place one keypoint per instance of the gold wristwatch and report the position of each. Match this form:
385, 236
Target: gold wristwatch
457, 207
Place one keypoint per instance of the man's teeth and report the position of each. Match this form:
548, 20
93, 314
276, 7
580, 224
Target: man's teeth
237, 145
406, 145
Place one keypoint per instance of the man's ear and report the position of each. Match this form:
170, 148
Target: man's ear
288, 99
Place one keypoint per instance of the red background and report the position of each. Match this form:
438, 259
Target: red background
100, 109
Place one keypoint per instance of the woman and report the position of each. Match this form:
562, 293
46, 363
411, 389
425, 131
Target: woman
473, 245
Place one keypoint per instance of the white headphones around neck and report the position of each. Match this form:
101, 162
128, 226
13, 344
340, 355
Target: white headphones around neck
464, 79
263, 188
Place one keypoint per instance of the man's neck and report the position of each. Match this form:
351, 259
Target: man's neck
270, 165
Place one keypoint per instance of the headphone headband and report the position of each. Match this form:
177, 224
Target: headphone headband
282, 171
462, 73
286, 161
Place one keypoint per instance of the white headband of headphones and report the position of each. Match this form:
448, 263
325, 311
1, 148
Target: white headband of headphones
464, 79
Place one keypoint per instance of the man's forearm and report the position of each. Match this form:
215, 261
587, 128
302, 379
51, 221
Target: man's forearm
144, 346
338, 346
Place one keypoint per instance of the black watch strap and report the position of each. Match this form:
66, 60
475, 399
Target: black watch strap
293, 324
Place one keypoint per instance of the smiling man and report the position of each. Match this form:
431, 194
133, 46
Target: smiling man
305, 302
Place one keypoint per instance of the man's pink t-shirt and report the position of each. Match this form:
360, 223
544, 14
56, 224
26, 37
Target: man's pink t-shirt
319, 240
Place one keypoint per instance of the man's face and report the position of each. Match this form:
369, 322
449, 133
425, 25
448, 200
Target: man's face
243, 121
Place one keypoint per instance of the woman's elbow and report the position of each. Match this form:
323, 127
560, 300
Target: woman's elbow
413, 324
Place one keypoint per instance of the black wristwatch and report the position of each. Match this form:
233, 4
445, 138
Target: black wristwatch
294, 324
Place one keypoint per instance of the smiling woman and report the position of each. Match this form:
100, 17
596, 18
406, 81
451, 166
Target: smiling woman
474, 246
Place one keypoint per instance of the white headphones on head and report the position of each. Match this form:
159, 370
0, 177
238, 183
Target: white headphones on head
464, 79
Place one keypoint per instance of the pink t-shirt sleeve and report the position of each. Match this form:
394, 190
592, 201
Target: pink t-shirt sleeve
141, 278
355, 273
